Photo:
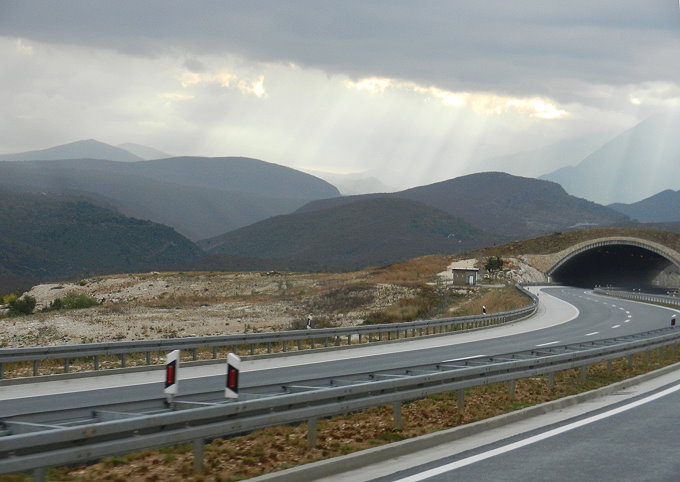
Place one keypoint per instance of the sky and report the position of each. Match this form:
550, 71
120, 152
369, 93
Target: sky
412, 92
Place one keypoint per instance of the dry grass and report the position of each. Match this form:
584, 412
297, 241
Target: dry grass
495, 300
282, 447
413, 271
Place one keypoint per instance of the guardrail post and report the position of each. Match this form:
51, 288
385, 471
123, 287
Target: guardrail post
461, 400
194, 355
2, 371
337, 341
148, 358
311, 432
199, 447
252, 349
396, 409
349, 340
299, 344
39, 474
122, 360
96, 362
269, 347
360, 338
284, 346
511, 389
35, 368
214, 352
67, 365
584, 372
551, 380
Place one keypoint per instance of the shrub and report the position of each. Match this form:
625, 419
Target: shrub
72, 301
22, 306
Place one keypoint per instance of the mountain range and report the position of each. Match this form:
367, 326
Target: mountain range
199, 197
448, 217
500, 203
249, 214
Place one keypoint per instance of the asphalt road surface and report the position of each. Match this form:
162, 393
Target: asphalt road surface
635, 439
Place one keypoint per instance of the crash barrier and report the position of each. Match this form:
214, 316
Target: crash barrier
26, 447
639, 296
93, 354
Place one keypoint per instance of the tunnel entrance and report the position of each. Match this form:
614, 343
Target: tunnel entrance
619, 265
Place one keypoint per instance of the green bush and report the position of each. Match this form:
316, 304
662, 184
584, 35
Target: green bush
72, 301
22, 306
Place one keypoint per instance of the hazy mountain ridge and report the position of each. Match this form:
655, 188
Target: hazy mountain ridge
179, 192
372, 231
85, 149
549, 158
500, 203
662, 207
636, 164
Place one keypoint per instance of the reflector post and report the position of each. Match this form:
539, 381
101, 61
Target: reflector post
233, 369
171, 371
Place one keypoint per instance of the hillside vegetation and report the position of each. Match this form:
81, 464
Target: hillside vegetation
369, 232
46, 236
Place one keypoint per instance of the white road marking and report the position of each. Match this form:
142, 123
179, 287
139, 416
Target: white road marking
551, 343
465, 358
616, 326
536, 438
593, 333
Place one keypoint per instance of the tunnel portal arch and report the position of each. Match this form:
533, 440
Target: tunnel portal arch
624, 262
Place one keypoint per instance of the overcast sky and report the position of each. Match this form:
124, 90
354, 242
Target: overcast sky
415, 91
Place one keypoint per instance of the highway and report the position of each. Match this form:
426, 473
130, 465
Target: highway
629, 435
566, 315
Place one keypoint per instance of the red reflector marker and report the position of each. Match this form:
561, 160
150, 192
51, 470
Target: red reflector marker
171, 369
233, 368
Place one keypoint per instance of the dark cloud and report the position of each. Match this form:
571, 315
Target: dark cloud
516, 48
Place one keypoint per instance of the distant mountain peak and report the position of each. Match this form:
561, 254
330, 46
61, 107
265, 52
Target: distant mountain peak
81, 149
636, 164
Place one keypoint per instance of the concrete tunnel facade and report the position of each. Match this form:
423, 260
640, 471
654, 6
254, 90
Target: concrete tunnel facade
621, 262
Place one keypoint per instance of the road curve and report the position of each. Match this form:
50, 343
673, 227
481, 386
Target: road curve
566, 315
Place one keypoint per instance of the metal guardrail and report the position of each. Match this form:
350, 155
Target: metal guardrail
638, 296
71, 442
284, 341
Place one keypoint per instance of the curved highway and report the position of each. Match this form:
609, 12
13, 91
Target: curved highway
566, 315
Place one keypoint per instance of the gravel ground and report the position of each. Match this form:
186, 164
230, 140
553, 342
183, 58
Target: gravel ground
165, 305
